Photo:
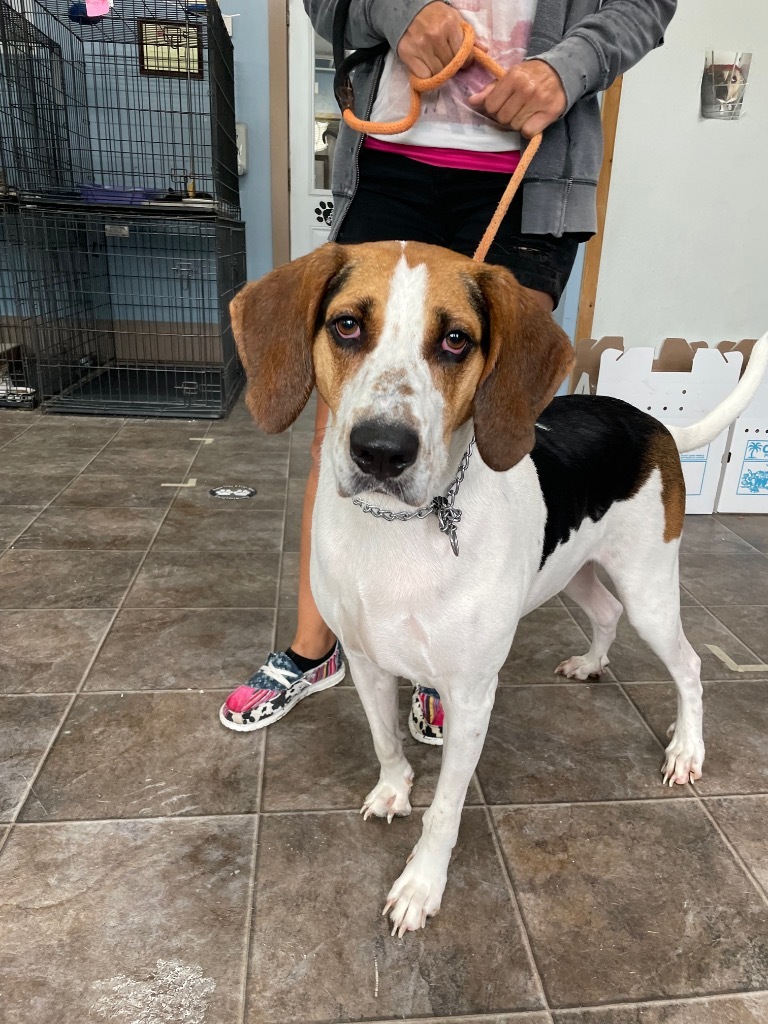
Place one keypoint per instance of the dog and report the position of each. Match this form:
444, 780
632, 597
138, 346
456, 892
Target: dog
417, 350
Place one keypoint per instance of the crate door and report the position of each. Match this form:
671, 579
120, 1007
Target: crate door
314, 123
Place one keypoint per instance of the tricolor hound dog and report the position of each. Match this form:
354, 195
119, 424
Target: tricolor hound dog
415, 349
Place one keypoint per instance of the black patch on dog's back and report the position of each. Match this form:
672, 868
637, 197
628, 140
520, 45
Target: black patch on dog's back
590, 452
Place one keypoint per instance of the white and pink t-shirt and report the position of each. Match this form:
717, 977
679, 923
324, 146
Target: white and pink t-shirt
449, 132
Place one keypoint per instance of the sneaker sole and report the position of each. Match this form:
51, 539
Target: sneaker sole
431, 741
253, 726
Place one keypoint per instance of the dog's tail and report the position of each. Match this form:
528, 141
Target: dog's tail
707, 429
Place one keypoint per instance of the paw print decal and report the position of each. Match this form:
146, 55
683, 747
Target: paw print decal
324, 212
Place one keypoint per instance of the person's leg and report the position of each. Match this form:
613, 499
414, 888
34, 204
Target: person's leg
392, 202
313, 639
313, 662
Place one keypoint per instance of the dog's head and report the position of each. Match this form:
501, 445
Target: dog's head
405, 342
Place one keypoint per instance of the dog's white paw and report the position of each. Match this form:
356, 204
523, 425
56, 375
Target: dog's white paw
389, 798
582, 666
414, 898
683, 759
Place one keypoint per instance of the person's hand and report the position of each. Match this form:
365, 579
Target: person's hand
432, 40
529, 98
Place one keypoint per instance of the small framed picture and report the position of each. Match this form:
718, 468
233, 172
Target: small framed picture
170, 48
723, 84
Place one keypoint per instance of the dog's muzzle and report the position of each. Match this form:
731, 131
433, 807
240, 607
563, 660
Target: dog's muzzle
383, 450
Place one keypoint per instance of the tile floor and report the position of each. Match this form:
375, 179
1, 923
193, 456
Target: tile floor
155, 868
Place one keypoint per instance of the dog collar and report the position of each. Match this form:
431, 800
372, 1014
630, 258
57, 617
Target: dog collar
448, 517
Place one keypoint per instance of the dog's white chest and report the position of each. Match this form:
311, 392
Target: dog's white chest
395, 593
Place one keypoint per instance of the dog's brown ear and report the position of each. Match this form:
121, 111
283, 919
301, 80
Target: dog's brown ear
274, 322
528, 358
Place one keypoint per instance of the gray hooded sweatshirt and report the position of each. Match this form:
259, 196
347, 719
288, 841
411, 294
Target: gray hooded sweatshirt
587, 42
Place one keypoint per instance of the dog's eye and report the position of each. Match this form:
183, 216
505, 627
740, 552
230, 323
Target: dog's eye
455, 343
346, 329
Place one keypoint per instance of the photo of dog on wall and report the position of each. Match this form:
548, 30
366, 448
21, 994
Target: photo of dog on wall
723, 84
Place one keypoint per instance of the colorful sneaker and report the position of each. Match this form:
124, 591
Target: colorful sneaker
277, 687
425, 721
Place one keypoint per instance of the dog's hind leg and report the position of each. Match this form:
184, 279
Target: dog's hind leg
379, 697
650, 591
604, 612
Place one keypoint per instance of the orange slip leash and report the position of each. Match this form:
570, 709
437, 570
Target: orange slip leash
420, 85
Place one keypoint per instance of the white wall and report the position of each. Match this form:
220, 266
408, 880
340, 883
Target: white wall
686, 238
250, 38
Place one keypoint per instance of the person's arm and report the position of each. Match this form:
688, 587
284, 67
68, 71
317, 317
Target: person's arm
425, 33
604, 45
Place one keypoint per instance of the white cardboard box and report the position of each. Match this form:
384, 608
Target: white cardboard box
679, 387
744, 486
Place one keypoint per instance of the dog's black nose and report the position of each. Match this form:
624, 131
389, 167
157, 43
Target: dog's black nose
383, 450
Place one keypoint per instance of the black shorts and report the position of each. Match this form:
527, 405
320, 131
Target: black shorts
404, 200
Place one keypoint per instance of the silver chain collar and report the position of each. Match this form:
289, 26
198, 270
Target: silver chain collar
448, 517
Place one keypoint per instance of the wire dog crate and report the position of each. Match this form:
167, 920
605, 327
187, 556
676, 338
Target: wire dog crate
17, 376
44, 134
136, 108
130, 313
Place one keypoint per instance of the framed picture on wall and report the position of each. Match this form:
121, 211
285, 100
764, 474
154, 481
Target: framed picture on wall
170, 48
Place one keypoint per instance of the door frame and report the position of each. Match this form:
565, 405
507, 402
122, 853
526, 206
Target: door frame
280, 167
594, 248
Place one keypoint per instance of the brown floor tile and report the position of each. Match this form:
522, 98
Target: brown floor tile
294, 508
19, 488
739, 577
730, 1010
19, 417
19, 458
26, 727
172, 649
633, 901
707, 535
314, 956
97, 491
735, 732
104, 912
8, 433
128, 529
14, 520
544, 638
750, 624
50, 442
745, 822
323, 757
301, 457
172, 435
289, 580
244, 461
631, 659
169, 463
210, 579
270, 493
285, 631
84, 429
306, 420
195, 528
48, 651
140, 755
753, 529
65, 579
576, 742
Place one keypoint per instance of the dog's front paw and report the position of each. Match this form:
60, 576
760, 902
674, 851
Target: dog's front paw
414, 898
389, 798
582, 666
683, 760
